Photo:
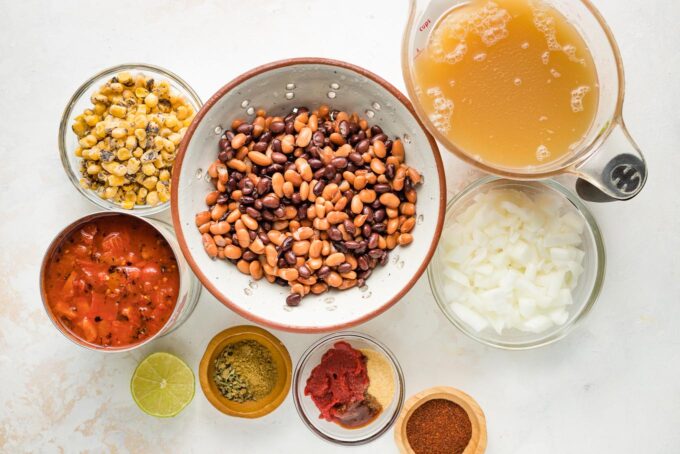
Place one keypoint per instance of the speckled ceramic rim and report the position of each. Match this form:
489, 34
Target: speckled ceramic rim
66, 118
348, 336
178, 167
184, 286
576, 318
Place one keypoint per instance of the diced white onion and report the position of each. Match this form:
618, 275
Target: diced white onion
511, 261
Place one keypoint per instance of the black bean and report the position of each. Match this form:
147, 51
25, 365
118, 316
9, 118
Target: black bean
229, 135
365, 274
318, 138
266, 225
246, 200
379, 227
264, 185
362, 262
223, 199
389, 171
315, 163
290, 257
381, 188
274, 168
279, 158
293, 299
249, 255
366, 230
343, 128
362, 147
376, 204
268, 216
379, 215
304, 271
279, 212
384, 258
329, 171
258, 206
271, 201
276, 145
245, 128
319, 187
302, 212
266, 137
248, 186
287, 244
375, 253
263, 237
223, 156
334, 234
351, 245
349, 227
373, 241
356, 158
380, 137
296, 198
290, 127
339, 163
375, 130
282, 282
344, 267
323, 271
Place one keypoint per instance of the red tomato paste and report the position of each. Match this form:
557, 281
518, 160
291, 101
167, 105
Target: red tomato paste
113, 281
338, 386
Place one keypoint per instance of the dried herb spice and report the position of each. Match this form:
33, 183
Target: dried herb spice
245, 371
439, 426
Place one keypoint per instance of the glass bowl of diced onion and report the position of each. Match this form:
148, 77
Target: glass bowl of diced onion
519, 263
80, 101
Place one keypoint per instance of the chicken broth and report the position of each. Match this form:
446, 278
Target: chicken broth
511, 82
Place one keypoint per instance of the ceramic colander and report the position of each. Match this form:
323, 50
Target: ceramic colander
278, 87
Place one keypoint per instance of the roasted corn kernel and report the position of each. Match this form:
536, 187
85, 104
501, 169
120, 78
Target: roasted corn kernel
127, 139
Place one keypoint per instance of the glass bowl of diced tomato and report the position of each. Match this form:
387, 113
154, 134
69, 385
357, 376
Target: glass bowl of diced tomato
115, 281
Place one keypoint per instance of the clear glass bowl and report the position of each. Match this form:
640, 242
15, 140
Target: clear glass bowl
584, 295
68, 141
308, 411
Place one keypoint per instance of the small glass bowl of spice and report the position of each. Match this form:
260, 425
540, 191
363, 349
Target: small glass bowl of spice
348, 388
120, 133
441, 420
245, 372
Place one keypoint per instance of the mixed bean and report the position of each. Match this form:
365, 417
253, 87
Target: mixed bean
313, 200
129, 138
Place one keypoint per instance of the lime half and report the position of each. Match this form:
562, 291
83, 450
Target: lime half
162, 385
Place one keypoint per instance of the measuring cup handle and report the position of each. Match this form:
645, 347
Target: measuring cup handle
616, 171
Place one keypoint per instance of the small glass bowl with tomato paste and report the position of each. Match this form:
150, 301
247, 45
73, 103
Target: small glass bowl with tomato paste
115, 281
363, 360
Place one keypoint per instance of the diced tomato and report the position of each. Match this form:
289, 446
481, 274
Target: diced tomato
87, 233
151, 273
116, 243
122, 332
105, 284
103, 308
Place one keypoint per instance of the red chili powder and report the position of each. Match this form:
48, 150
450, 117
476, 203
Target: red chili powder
439, 426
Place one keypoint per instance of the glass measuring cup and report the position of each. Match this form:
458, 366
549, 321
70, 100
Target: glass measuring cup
607, 162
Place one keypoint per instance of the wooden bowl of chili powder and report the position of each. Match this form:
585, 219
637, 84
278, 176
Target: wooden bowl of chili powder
245, 372
441, 420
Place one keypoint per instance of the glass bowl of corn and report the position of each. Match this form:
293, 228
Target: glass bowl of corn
119, 135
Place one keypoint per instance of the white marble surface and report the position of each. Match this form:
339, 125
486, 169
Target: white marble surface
612, 386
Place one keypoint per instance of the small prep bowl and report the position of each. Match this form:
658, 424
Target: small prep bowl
189, 287
281, 359
277, 88
584, 295
68, 140
308, 411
